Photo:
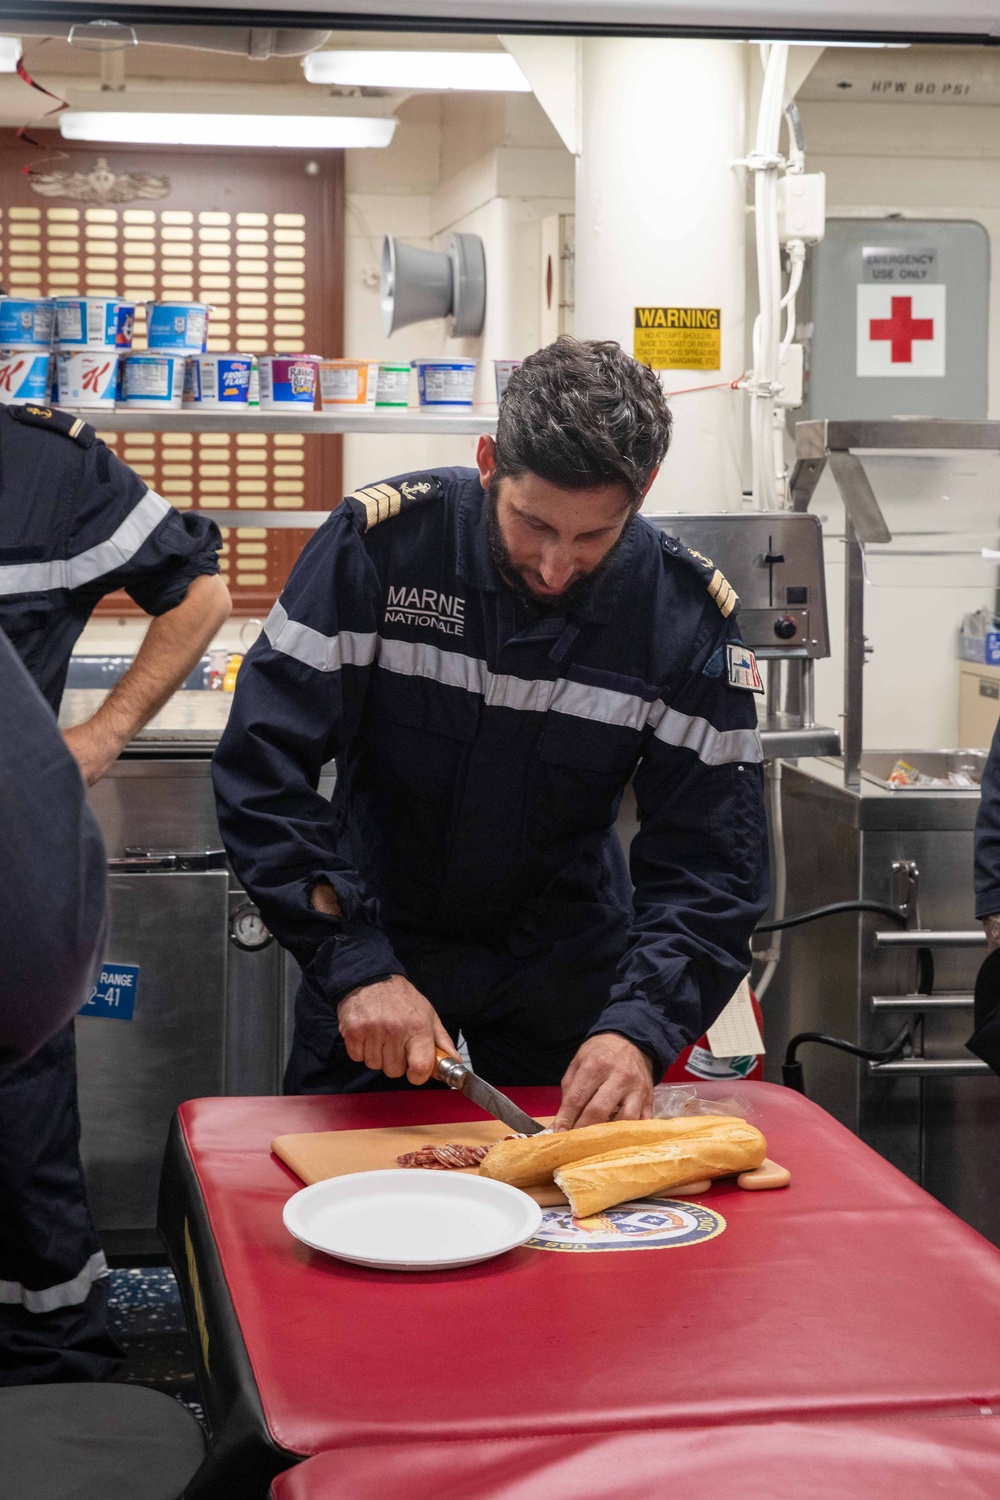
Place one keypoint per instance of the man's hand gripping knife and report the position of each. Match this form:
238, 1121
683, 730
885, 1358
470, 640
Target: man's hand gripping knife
389, 1025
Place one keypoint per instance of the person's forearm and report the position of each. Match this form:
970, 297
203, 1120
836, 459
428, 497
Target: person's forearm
991, 926
173, 645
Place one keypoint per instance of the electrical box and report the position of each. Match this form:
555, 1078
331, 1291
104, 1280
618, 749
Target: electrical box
790, 377
802, 207
899, 319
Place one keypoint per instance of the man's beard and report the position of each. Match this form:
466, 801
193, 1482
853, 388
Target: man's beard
557, 604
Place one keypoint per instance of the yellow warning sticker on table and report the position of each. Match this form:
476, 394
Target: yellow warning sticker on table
678, 338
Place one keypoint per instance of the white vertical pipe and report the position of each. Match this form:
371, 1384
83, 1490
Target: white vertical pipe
661, 222
765, 437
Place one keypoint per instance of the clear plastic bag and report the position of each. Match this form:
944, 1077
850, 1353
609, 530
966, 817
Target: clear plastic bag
903, 774
673, 1099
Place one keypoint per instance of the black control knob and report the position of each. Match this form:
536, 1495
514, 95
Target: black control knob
785, 628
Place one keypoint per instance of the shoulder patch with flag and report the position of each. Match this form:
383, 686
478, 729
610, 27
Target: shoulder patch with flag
741, 668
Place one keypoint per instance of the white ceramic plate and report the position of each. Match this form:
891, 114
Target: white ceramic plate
412, 1219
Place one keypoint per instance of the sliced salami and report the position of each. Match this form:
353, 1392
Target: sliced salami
448, 1157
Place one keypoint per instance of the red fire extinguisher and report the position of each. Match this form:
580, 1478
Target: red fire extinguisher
697, 1063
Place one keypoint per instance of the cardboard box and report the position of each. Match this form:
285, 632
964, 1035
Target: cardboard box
978, 705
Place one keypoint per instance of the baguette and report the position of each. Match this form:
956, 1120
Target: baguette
530, 1161
599, 1182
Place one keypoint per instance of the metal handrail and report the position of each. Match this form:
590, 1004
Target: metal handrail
955, 1000
933, 1067
916, 937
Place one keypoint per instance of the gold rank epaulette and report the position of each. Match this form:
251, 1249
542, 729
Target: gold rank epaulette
55, 420
380, 502
720, 589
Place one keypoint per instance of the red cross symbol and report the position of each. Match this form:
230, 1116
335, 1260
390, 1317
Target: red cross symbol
901, 329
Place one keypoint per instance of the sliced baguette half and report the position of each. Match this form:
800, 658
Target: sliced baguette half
599, 1182
532, 1160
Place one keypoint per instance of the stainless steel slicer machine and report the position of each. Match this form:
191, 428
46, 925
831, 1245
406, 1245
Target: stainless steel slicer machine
774, 561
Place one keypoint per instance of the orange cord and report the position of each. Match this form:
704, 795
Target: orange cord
720, 385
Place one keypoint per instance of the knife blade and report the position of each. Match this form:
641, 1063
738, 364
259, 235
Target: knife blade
457, 1076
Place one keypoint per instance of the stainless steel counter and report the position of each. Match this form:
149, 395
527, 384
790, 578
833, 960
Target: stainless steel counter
211, 1008
873, 805
188, 719
934, 1115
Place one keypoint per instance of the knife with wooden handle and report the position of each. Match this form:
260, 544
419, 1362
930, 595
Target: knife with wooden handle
457, 1076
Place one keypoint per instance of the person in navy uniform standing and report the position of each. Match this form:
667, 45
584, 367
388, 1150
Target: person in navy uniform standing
490, 655
985, 1040
76, 524
53, 878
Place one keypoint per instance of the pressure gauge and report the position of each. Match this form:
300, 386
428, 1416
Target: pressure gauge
247, 930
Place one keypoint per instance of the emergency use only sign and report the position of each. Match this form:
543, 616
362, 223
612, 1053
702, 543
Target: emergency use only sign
678, 338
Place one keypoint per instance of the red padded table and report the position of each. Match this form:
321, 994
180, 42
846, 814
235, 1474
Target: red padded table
850, 1293
893, 1458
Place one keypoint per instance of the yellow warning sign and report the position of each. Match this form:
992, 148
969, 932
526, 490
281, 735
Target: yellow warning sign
678, 338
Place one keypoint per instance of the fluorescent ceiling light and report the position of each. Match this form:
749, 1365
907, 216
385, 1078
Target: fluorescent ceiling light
495, 71
10, 52
823, 42
307, 132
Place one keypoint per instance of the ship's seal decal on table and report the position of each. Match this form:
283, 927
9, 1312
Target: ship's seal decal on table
631, 1226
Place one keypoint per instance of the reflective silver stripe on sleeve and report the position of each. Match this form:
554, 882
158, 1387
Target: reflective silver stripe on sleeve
416, 659
105, 557
606, 705
715, 747
50, 1298
524, 694
326, 653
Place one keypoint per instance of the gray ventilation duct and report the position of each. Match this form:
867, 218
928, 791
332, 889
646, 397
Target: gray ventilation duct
420, 284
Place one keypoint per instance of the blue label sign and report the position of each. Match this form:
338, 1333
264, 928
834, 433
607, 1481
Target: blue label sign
115, 992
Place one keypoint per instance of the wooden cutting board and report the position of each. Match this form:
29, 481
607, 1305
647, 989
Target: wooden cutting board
335, 1153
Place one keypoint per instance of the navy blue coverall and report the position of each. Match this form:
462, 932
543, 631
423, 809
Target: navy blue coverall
482, 750
987, 845
75, 524
53, 886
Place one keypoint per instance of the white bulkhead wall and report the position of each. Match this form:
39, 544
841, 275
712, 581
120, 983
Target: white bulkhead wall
660, 221
491, 165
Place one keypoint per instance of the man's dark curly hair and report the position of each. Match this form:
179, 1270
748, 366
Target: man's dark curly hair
583, 414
